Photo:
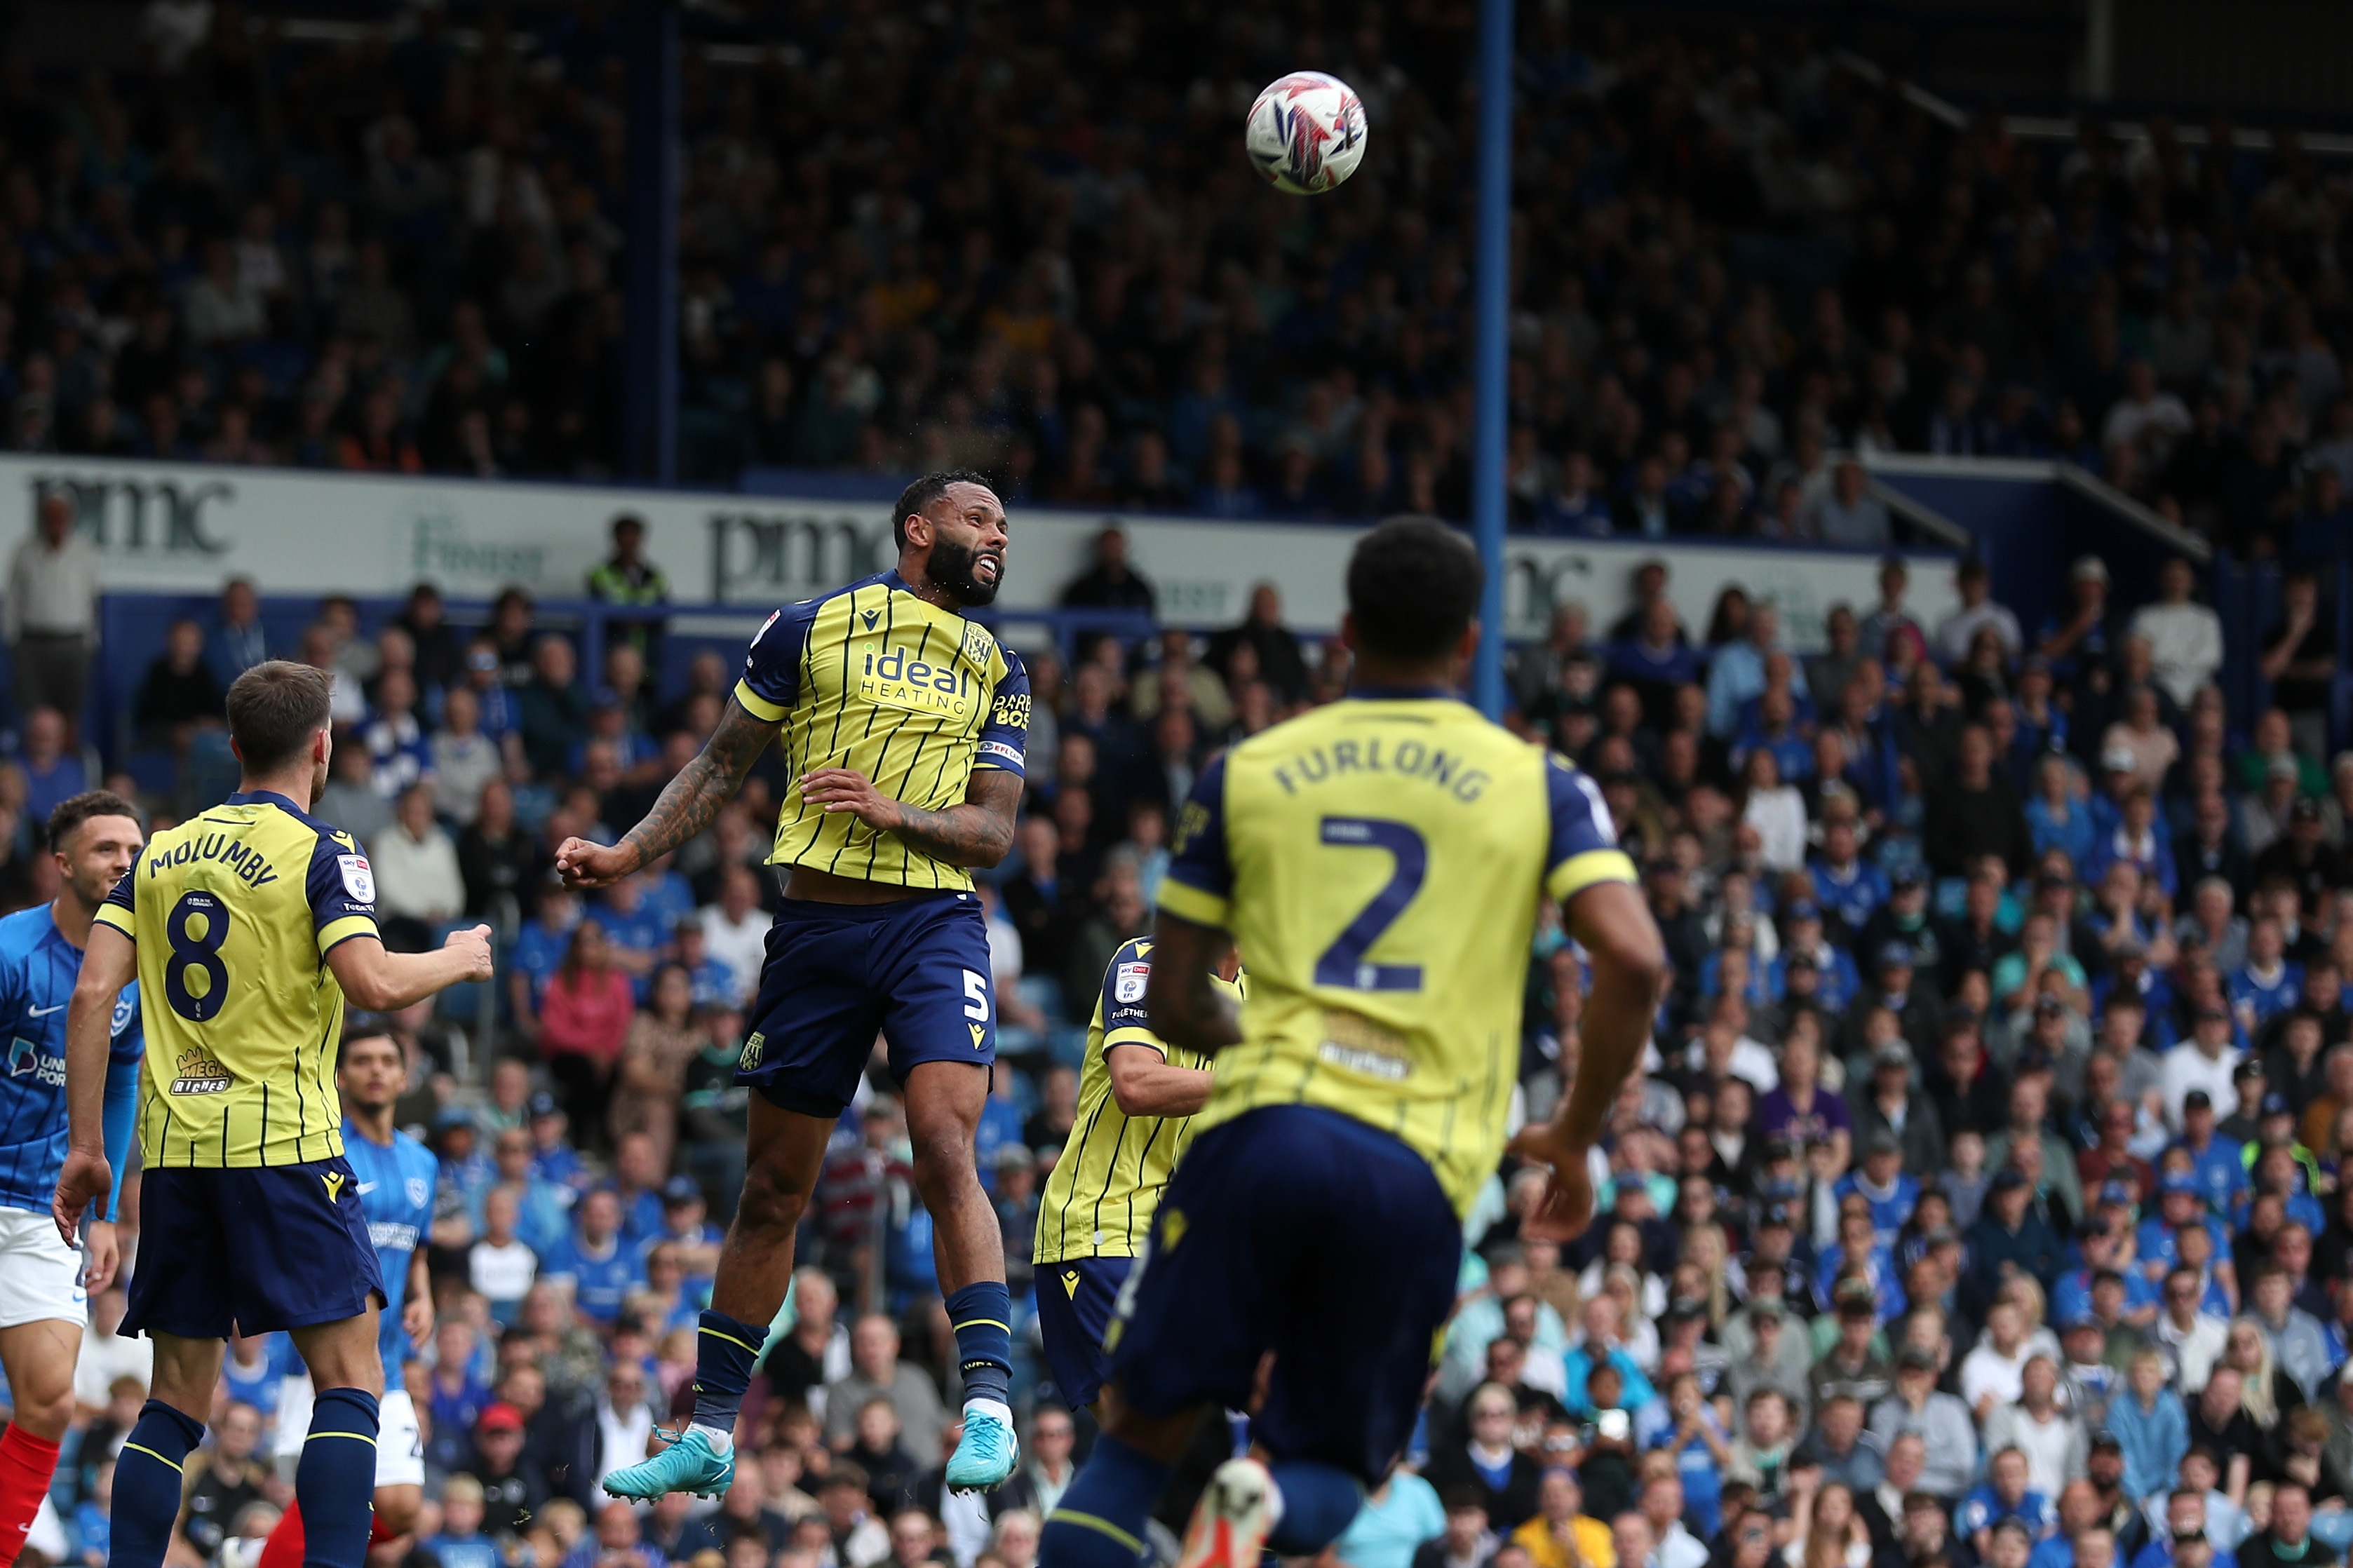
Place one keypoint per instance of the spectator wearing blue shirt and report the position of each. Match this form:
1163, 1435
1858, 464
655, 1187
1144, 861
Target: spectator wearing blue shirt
462, 1543
93, 1517
457, 1395
554, 1159
52, 773
400, 752
2186, 1535
466, 1171
1860, 1252
639, 934
636, 1186
2055, 818
1737, 672
603, 1268
1883, 1183
686, 1226
2215, 1162
544, 1207
1655, 659
2268, 983
538, 953
1574, 507
2003, 1496
1600, 1322
1849, 888
713, 983
2151, 1426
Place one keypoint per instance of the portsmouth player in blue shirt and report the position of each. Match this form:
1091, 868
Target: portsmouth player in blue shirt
43, 1282
394, 1175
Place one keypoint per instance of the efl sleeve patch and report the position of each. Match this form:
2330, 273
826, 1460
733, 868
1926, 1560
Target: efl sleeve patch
1128, 981
358, 880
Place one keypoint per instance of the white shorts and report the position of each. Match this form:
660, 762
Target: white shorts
399, 1444
40, 1276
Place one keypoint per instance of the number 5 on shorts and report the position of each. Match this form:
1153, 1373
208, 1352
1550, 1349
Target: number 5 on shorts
976, 996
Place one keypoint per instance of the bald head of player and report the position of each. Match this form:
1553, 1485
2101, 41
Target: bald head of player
1413, 604
279, 718
950, 530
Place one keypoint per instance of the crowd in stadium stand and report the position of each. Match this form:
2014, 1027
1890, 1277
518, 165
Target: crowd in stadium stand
1983, 1202
1028, 241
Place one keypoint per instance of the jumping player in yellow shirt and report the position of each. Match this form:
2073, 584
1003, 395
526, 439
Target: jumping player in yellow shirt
903, 724
246, 927
1381, 861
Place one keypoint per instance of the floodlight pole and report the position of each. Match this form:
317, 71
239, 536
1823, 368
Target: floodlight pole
1491, 289
649, 353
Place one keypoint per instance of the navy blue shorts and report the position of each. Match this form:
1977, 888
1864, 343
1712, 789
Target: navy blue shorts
915, 971
257, 1249
1074, 1302
1303, 1232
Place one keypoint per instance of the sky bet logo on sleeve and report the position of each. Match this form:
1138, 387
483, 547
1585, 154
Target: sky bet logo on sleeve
895, 678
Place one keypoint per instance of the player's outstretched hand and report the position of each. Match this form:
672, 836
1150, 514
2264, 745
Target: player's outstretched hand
847, 789
587, 864
86, 1179
105, 1256
1567, 1207
476, 945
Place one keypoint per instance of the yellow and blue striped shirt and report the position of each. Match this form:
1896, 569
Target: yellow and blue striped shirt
914, 697
233, 913
1381, 861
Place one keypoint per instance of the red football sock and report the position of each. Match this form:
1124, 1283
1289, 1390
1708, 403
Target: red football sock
284, 1547
27, 1463
378, 1531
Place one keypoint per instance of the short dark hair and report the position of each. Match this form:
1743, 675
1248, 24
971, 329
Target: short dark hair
274, 708
358, 1026
77, 809
927, 489
1413, 586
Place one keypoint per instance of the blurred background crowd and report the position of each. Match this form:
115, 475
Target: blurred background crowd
1981, 1203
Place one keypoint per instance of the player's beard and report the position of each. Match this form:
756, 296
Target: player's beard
953, 566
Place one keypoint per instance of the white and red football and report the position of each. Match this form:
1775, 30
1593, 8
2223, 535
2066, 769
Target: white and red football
1306, 133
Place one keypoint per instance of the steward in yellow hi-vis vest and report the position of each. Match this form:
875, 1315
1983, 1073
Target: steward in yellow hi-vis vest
246, 926
1134, 1119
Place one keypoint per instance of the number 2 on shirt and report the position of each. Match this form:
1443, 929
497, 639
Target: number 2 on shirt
1343, 965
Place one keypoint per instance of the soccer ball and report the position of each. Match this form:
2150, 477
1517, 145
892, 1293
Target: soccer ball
1306, 133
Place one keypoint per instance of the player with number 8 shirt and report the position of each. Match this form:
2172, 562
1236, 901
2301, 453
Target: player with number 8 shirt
246, 926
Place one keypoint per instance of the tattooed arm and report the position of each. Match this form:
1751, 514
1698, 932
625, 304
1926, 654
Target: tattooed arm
977, 833
685, 808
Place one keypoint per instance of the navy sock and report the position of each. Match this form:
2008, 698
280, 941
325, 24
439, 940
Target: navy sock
982, 1316
147, 1484
1318, 1502
725, 1351
334, 1480
1100, 1521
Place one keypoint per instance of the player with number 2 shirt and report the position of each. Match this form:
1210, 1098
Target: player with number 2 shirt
1381, 861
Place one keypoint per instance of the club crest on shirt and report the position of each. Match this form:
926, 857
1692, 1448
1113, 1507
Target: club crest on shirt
977, 644
416, 1189
199, 1072
126, 1007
